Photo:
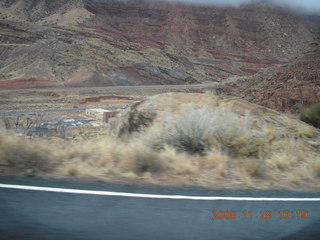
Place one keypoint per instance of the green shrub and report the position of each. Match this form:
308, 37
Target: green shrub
311, 115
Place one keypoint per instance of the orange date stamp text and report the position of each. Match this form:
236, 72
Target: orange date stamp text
263, 215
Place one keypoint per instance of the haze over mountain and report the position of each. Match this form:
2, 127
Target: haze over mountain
311, 6
106, 43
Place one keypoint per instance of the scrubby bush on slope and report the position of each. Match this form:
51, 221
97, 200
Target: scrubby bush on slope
199, 129
311, 115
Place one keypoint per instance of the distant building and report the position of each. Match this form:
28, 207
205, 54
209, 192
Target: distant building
100, 114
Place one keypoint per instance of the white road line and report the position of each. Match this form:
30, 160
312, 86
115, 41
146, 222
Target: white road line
140, 195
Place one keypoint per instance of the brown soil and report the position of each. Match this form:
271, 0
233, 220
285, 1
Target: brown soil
110, 98
23, 83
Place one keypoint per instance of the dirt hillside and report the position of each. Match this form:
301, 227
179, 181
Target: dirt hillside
105, 43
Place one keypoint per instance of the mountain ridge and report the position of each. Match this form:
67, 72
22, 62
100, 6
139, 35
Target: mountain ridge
93, 43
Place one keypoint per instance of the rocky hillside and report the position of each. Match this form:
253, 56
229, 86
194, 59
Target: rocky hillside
290, 87
36, 10
106, 43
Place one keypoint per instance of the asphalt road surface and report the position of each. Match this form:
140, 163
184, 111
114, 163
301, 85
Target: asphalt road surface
52, 111
52, 214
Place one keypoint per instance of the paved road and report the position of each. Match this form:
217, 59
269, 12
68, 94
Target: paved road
26, 214
120, 88
42, 111
53, 110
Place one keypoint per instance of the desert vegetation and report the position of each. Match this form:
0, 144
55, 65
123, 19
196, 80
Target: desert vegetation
23, 120
19, 155
199, 129
311, 115
206, 145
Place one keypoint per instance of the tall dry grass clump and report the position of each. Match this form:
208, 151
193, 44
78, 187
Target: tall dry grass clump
22, 155
199, 129
136, 157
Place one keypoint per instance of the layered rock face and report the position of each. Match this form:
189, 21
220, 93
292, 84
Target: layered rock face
289, 87
254, 30
105, 43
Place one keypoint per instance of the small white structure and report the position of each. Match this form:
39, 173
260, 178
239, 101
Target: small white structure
100, 114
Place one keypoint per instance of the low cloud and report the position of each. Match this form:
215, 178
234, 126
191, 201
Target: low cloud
307, 6
311, 6
302, 5
215, 2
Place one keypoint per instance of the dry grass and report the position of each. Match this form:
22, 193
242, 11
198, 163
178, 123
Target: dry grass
139, 159
73, 170
201, 128
226, 151
179, 163
23, 155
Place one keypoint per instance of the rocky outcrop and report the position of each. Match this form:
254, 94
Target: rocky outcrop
36, 10
289, 87
134, 119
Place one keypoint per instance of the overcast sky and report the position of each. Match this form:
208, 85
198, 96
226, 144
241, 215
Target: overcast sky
302, 5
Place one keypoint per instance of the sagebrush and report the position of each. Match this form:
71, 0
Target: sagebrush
199, 129
311, 115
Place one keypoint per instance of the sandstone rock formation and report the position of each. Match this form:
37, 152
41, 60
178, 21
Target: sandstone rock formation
105, 43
